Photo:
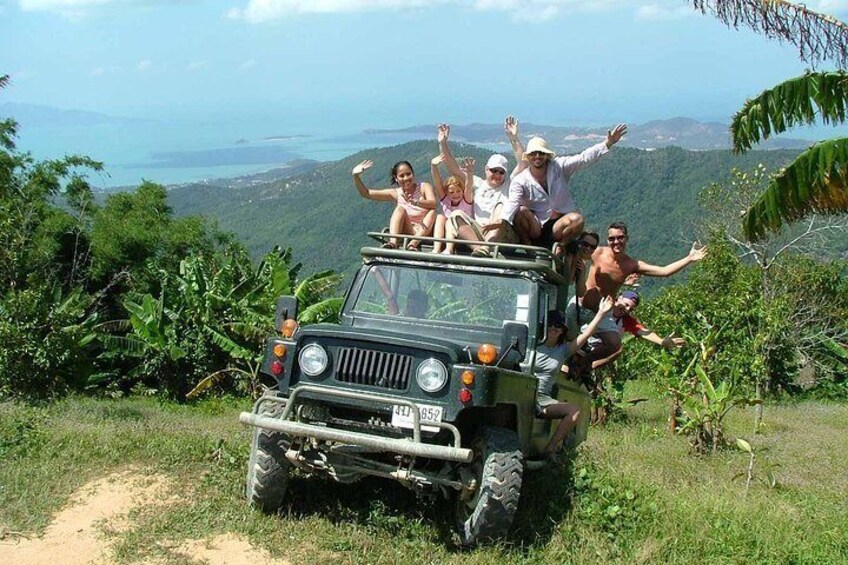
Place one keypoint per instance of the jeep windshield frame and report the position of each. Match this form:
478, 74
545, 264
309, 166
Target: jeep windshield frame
460, 303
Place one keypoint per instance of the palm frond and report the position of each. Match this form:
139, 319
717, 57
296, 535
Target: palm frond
130, 345
814, 183
232, 348
325, 311
315, 286
801, 100
817, 36
212, 380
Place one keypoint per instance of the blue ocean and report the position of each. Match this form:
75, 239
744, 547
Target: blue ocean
190, 150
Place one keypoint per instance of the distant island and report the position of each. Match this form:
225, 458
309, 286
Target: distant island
285, 137
36, 115
675, 132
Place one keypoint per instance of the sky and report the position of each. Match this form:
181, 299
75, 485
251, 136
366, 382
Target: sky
388, 63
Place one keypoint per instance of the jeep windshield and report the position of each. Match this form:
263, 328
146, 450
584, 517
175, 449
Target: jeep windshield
442, 297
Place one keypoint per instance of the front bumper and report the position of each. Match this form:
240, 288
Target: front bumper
407, 446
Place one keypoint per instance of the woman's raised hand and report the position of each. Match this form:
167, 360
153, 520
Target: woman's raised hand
438, 160
468, 165
605, 305
362, 167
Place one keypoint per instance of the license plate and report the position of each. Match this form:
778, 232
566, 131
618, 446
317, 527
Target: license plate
402, 416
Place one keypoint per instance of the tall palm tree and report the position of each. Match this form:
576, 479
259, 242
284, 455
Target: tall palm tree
816, 181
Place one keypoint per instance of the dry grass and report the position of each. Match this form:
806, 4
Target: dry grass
640, 495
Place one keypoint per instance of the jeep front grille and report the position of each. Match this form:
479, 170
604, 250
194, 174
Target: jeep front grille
374, 368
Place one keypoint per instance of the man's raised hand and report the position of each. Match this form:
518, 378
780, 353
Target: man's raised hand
697, 252
442, 132
615, 134
669, 342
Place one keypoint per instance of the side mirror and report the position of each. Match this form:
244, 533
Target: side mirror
513, 344
286, 310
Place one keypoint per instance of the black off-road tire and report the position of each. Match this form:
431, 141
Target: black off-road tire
499, 468
268, 468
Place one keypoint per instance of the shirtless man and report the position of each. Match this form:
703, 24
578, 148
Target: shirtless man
611, 266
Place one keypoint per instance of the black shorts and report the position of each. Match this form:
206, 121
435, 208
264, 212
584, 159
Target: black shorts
547, 240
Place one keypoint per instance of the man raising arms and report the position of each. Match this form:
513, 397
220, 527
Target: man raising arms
489, 193
540, 206
626, 322
610, 268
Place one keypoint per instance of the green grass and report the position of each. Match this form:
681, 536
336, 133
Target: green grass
636, 494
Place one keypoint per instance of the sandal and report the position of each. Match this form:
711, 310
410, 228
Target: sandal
481, 252
389, 245
413, 247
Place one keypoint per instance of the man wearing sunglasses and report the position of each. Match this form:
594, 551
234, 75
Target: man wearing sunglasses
626, 322
611, 266
540, 206
489, 193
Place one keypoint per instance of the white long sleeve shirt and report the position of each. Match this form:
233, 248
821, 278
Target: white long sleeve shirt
525, 191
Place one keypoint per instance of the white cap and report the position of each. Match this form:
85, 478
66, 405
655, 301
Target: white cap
498, 161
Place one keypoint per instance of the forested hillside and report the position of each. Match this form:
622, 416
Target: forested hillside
322, 217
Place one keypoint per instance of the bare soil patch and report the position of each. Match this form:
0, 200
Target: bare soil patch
76, 534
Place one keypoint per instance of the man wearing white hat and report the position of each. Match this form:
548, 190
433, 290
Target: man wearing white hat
489, 193
539, 205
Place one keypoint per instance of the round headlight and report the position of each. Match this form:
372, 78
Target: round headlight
431, 375
313, 359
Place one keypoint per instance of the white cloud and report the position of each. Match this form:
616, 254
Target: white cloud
264, 10
196, 65
144, 65
58, 5
103, 71
663, 12
249, 64
257, 11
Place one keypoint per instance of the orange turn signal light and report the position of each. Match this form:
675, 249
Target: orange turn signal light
486, 353
288, 327
468, 378
280, 350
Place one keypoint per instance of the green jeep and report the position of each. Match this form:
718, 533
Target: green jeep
427, 380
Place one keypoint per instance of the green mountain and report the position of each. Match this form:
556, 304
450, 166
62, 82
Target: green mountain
320, 214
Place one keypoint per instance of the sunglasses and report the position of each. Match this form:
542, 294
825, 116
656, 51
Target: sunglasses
614, 238
537, 154
497, 171
591, 246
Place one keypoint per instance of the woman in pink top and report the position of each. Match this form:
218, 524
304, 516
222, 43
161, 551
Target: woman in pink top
454, 195
416, 202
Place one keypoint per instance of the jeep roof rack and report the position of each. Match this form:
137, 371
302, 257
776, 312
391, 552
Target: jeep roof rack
502, 255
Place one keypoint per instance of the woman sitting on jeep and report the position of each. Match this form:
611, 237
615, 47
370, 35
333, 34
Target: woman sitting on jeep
415, 210
550, 357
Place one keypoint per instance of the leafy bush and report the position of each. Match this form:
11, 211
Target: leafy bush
45, 333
